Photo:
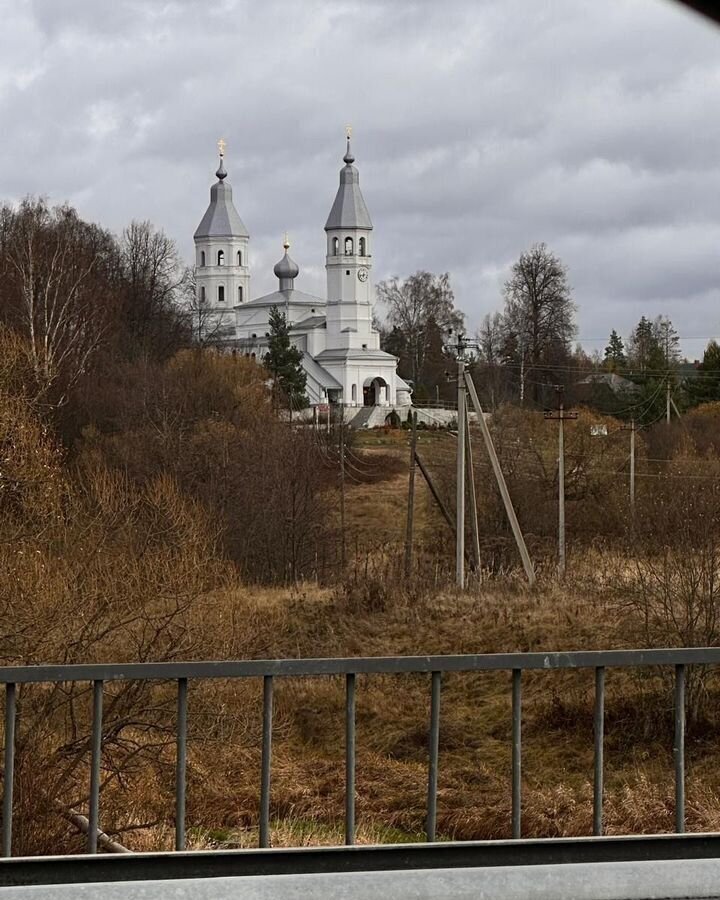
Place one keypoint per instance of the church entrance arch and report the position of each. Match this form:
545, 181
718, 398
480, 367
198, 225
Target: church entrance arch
375, 391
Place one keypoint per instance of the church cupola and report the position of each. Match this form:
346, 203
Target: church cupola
287, 269
222, 271
349, 210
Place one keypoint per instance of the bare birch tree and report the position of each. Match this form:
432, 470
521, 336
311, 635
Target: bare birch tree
418, 306
154, 283
208, 326
55, 270
539, 311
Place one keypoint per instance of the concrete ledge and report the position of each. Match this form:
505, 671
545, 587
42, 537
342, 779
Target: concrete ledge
670, 880
529, 856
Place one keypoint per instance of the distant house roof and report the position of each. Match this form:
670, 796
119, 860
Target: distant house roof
616, 383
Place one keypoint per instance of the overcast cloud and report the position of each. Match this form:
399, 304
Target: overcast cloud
479, 128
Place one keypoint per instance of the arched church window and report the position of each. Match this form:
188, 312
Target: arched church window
240, 294
239, 257
335, 246
348, 246
221, 257
202, 294
202, 257
221, 293
361, 246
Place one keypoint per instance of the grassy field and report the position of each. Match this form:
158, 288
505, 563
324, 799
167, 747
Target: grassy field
376, 611
392, 722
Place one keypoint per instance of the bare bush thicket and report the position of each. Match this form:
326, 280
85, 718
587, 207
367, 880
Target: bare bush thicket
96, 570
205, 419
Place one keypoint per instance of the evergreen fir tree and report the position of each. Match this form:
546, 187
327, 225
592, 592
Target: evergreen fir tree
284, 362
642, 345
654, 347
706, 388
615, 353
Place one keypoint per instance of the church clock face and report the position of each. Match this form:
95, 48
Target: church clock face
362, 274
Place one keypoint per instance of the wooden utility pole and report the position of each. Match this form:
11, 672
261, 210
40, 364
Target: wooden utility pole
460, 481
411, 498
561, 415
473, 497
342, 489
632, 468
500, 478
667, 401
632, 429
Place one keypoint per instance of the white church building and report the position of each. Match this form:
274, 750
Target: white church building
341, 350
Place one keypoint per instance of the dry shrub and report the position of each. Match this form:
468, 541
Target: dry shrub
527, 446
204, 419
97, 570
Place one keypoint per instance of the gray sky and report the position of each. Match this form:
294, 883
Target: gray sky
479, 128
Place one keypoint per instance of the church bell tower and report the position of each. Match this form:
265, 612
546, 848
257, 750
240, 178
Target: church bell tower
349, 260
222, 270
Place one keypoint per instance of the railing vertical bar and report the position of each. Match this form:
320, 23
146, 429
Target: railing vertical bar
9, 776
516, 752
181, 764
433, 748
599, 750
679, 749
93, 817
265, 762
350, 758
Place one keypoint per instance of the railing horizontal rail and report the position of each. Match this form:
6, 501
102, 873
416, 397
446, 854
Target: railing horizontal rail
376, 665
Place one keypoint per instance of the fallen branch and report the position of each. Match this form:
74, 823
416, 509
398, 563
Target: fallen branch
82, 824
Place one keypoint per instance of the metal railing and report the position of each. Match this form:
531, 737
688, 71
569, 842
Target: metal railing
184, 672
434, 404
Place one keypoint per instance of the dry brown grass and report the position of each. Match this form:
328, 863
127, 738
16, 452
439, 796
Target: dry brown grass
392, 719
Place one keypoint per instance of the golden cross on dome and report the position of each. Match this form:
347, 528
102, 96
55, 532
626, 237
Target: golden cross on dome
348, 131
286, 241
221, 146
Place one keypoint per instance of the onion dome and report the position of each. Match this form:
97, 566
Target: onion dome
287, 269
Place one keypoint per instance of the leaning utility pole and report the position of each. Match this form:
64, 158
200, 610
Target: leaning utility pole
561, 415
460, 483
466, 384
500, 478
